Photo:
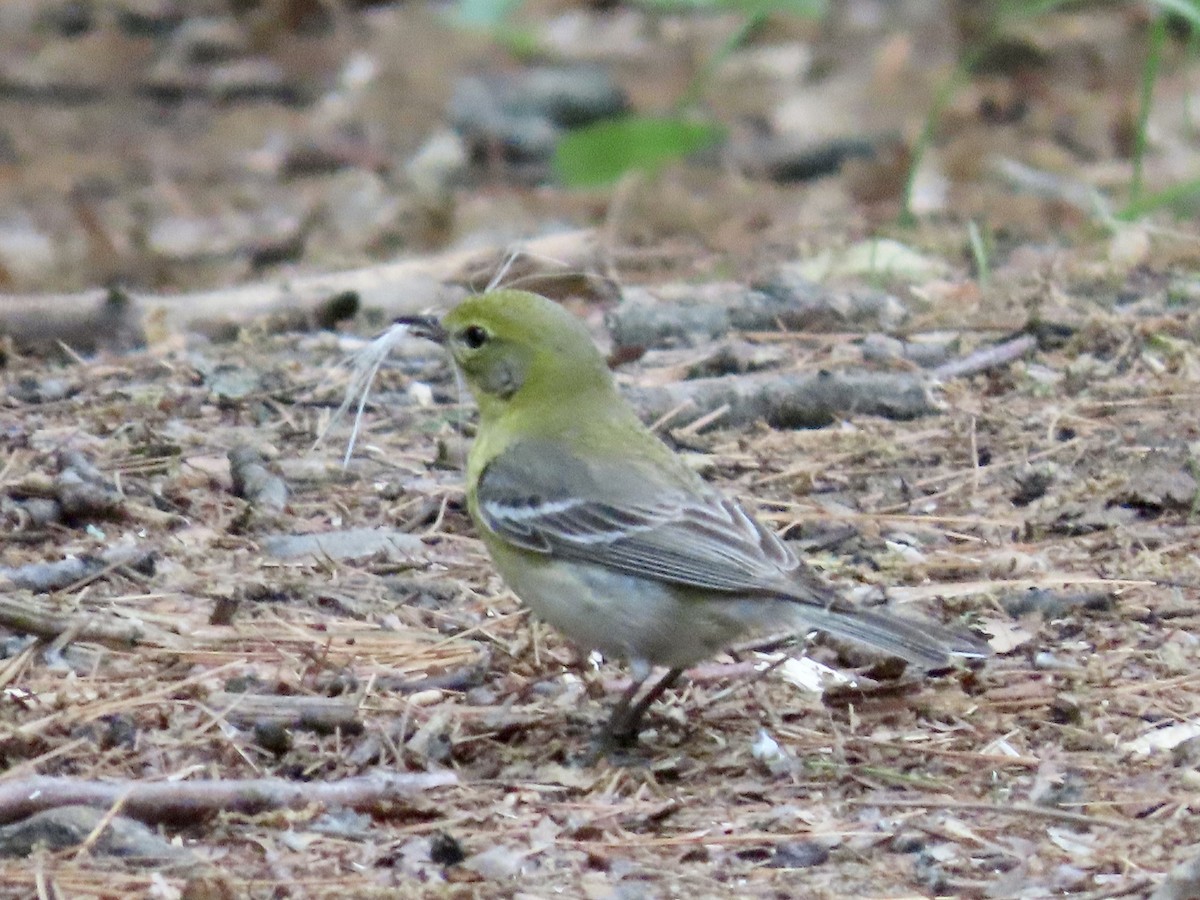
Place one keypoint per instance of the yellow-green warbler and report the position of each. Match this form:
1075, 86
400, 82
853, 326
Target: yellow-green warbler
610, 537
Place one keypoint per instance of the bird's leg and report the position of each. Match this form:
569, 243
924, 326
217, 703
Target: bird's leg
623, 726
620, 714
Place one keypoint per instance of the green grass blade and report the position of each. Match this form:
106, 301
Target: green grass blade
1177, 195
1158, 38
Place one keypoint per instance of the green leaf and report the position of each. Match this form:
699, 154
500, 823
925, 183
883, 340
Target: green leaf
602, 152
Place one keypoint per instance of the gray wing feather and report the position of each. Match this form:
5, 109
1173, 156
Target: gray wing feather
540, 497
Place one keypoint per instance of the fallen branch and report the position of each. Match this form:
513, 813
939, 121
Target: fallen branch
814, 400
1016, 176
789, 401
186, 801
27, 615
96, 319
176, 84
691, 314
81, 492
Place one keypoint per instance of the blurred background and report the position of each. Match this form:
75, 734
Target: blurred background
169, 145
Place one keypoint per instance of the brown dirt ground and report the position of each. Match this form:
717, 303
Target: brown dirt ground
1020, 773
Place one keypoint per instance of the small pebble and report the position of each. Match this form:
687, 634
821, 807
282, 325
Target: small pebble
799, 855
907, 842
445, 850
272, 737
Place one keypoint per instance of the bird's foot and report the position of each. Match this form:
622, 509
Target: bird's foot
615, 749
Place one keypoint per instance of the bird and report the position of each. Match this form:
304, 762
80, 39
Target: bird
604, 532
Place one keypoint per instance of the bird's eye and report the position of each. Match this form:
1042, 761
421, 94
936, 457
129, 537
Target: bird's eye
474, 336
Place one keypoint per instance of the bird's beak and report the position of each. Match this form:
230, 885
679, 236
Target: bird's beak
427, 327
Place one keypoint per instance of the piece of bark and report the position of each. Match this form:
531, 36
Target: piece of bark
184, 802
265, 491
789, 401
816, 307
1160, 482
1052, 604
1021, 178
92, 319
927, 351
46, 577
458, 680
69, 826
82, 493
725, 357
30, 515
690, 314
87, 322
321, 714
230, 82
238, 80
351, 543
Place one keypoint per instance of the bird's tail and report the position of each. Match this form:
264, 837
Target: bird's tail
919, 642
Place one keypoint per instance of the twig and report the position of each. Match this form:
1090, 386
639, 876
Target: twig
1015, 809
982, 759
321, 714
30, 616
185, 801
987, 358
104, 822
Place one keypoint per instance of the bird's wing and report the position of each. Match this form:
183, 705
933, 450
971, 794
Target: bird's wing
627, 517
540, 496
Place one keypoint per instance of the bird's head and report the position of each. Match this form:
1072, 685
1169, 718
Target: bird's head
517, 346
